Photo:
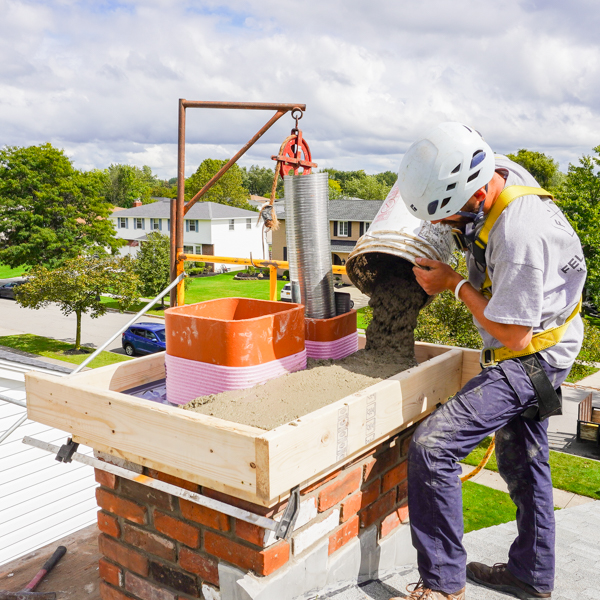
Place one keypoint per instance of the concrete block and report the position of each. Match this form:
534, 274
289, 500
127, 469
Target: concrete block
302, 578
406, 555
369, 550
387, 555
314, 533
343, 566
307, 512
228, 579
210, 593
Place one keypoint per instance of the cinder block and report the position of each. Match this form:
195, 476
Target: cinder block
343, 567
314, 533
369, 551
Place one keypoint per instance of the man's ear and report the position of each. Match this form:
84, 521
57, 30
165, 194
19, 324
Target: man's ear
481, 194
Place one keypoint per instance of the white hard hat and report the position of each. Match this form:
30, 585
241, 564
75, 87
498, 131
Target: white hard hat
440, 172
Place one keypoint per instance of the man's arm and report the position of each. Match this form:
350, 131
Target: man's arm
439, 277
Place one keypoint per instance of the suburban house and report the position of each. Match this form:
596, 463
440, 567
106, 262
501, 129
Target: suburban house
210, 228
349, 218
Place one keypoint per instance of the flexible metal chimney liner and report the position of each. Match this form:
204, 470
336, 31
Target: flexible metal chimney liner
308, 241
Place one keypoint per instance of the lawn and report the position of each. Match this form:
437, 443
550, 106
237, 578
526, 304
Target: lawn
210, 288
6, 272
50, 348
364, 315
569, 473
484, 507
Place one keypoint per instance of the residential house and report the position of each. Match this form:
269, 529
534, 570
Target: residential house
209, 228
349, 219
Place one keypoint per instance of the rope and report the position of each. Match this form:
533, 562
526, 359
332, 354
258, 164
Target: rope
484, 461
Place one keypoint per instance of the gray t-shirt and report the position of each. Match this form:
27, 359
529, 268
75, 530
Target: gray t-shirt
536, 265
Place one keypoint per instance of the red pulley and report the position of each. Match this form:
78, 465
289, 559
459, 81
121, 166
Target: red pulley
294, 153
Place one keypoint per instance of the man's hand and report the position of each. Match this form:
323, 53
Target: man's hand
435, 276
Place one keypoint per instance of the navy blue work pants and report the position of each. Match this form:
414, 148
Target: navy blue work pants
493, 401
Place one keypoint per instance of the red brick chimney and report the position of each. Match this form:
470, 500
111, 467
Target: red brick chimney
137, 203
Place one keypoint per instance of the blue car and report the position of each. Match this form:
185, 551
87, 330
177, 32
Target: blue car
144, 338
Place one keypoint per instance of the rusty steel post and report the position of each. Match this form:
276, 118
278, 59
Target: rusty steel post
177, 226
235, 158
242, 105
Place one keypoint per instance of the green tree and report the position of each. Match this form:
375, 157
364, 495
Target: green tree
228, 190
579, 198
125, 183
543, 167
50, 211
368, 187
259, 181
152, 265
335, 189
387, 177
76, 286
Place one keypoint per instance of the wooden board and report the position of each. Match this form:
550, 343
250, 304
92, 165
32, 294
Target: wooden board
240, 460
326, 437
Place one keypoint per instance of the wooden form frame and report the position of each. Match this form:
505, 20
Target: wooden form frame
245, 462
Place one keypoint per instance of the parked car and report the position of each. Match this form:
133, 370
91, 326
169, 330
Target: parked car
8, 289
144, 338
286, 292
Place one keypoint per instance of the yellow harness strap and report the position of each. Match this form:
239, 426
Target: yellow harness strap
543, 339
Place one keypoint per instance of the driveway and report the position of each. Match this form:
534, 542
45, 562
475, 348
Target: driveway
50, 322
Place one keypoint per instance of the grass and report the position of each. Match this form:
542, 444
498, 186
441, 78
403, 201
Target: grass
579, 371
569, 473
50, 348
210, 288
364, 315
6, 272
484, 507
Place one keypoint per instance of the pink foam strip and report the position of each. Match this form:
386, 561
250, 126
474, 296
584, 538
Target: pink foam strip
335, 350
188, 379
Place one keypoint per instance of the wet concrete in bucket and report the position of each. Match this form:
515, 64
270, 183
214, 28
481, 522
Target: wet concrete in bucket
396, 299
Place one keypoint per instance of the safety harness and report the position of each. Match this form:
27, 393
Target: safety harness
549, 399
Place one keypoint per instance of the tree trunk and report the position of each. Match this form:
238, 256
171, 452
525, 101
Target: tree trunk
78, 334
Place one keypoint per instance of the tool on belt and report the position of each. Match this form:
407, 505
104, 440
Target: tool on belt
28, 593
549, 399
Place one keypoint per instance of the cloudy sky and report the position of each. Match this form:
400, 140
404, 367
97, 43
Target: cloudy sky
102, 79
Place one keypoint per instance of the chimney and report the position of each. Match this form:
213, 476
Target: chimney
137, 203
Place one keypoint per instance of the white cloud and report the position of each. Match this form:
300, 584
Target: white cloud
102, 79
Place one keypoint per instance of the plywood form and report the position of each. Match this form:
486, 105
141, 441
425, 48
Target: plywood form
240, 460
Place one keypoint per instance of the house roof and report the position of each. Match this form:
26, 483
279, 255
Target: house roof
204, 211
351, 209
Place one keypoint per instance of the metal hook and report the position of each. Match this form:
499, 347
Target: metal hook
297, 114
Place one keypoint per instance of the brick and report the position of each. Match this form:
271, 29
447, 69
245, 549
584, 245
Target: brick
381, 463
317, 484
119, 506
203, 515
146, 495
405, 445
350, 507
400, 515
176, 529
105, 479
244, 504
110, 573
263, 562
145, 590
206, 568
182, 483
335, 492
182, 582
344, 534
149, 542
108, 524
122, 555
370, 493
250, 533
378, 510
394, 477
110, 593
402, 492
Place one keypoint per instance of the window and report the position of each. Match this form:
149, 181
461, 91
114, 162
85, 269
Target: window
342, 228
188, 249
231, 224
248, 223
198, 249
191, 225
168, 224
122, 222
367, 225
155, 224
138, 223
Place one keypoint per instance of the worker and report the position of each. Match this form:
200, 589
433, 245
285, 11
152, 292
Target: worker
526, 273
